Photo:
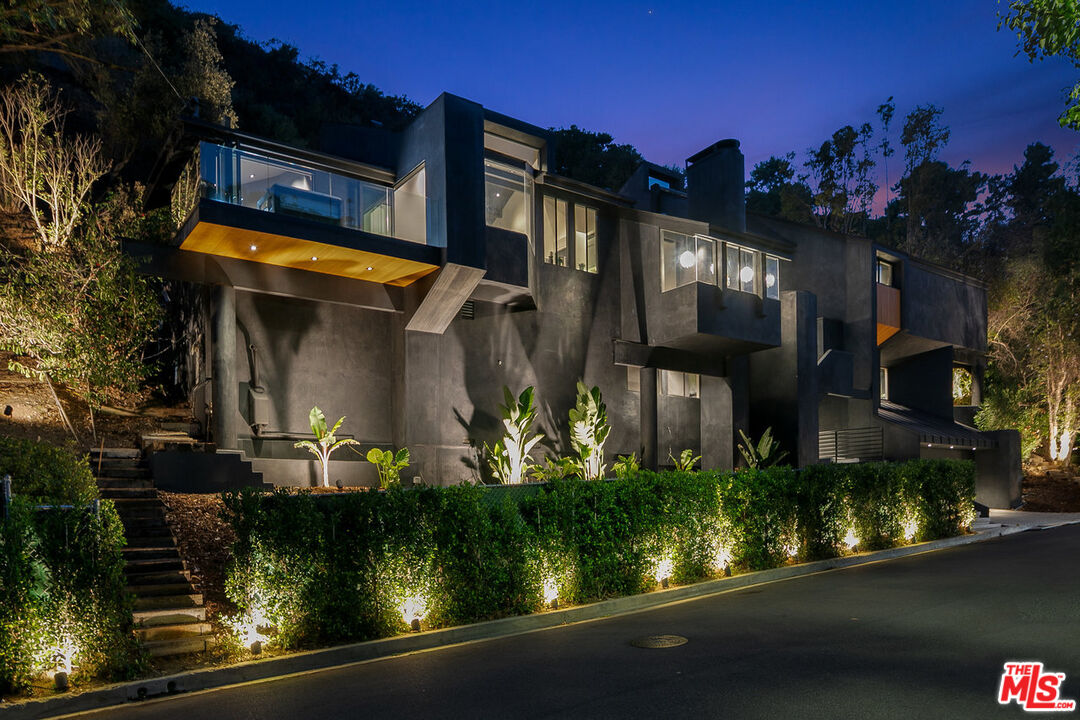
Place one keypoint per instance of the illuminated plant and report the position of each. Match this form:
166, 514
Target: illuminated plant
509, 460
389, 464
589, 431
686, 460
325, 441
765, 454
625, 466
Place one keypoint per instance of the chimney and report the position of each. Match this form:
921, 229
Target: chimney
715, 179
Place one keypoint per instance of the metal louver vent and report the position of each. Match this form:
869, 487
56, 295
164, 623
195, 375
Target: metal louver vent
468, 310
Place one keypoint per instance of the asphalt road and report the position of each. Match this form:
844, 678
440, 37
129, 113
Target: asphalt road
921, 637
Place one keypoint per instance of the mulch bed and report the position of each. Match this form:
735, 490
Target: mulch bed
1043, 492
205, 541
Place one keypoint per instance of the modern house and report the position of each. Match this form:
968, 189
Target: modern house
401, 279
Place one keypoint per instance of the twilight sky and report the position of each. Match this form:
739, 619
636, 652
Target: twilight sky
671, 78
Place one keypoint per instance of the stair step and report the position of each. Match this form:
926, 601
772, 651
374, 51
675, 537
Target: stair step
160, 577
145, 536
151, 552
115, 452
143, 519
179, 646
115, 473
160, 589
154, 565
178, 600
139, 514
139, 503
125, 483
125, 493
158, 617
169, 632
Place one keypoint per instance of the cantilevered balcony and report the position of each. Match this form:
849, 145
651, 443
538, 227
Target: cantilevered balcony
715, 297
268, 208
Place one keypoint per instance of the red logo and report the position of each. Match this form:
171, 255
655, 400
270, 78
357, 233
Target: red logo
1032, 689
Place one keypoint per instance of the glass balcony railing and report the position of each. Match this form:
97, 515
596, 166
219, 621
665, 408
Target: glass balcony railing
240, 176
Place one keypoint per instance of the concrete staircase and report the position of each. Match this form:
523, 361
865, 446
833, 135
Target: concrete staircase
169, 615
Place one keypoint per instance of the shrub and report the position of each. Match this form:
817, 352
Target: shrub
349, 567
942, 495
62, 596
45, 473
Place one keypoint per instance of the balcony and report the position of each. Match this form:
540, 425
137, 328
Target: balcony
715, 297
888, 312
263, 208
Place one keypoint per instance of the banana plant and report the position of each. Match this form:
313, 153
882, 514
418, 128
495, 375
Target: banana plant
325, 442
589, 431
767, 452
509, 459
686, 460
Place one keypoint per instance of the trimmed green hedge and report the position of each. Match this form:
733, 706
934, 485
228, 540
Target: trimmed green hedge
61, 572
331, 568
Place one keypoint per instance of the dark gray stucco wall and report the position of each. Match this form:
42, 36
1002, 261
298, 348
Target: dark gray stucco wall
943, 308
783, 382
311, 353
924, 382
998, 472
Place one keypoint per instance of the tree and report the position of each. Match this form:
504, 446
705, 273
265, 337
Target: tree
843, 188
203, 75
594, 158
774, 190
1049, 28
42, 170
58, 26
72, 307
923, 135
885, 113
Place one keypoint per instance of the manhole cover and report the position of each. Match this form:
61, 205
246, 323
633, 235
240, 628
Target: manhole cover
659, 641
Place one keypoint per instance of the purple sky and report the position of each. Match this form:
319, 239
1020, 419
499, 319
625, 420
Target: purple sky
671, 78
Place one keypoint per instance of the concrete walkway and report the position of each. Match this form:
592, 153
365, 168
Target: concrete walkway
1020, 520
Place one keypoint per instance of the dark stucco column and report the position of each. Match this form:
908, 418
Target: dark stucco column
647, 417
226, 395
717, 436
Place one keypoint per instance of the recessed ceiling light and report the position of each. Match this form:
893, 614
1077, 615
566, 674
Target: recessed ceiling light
314, 258
254, 248
370, 268
252, 176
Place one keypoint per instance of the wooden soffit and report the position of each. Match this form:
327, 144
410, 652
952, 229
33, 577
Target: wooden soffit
302, 254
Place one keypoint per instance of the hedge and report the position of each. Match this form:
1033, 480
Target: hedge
332, 568
61, 572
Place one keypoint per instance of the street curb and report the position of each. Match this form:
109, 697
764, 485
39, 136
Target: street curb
315, 660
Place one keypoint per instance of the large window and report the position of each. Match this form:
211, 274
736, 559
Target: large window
885, 272
685, 259
556, 250
772, 277
585, 238
680, 384
584, 253
508, 195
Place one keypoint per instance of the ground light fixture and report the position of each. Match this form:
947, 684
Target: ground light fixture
850, 539
550, 591
413, 609
662, 571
